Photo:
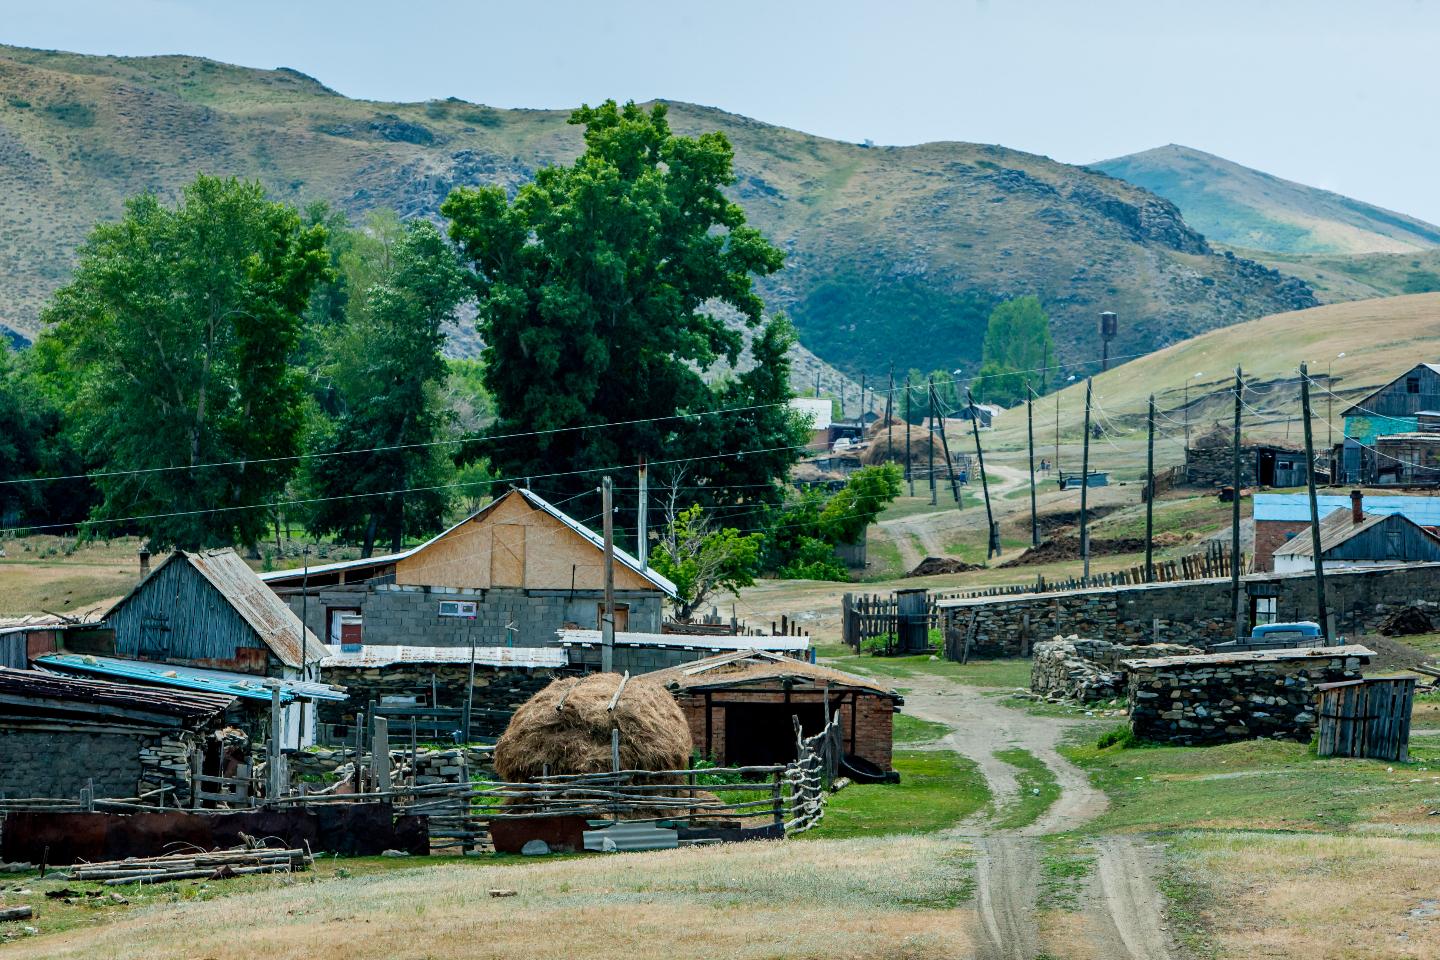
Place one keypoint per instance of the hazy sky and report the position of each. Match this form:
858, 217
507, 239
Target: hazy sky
1342, 95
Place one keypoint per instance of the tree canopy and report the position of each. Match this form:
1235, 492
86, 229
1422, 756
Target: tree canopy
1017, 340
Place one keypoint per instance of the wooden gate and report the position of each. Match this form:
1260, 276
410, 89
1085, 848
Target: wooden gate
1366, 718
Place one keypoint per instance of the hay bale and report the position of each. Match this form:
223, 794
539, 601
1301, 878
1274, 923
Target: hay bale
576, 739
889, 446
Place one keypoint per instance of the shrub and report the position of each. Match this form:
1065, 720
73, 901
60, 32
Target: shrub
1121, 735
698, 763
877, 644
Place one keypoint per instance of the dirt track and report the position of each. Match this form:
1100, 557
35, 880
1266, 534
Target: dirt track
1119, 909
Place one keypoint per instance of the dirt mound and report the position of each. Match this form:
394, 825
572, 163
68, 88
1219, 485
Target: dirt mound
932, 566
1058, 549
1406, 622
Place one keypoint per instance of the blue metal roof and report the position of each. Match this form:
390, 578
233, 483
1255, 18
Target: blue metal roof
190, 678
1295, 507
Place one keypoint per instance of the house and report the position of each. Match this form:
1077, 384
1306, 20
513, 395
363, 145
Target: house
1410, 458
1279, 517
509, 575
1209, 462
1390, 411
819, 411
645, 652
60, 734
1354, 538
985, 413
740, 707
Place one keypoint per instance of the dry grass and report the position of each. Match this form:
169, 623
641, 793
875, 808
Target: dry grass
1319, 895
892, 898
56, 574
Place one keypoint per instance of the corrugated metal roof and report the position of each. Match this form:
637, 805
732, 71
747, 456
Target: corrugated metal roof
301, 572
746, 668
260, 607
534, 500
1339, 527
223, 682
380, 655
1295, 507
685, 641
41, 685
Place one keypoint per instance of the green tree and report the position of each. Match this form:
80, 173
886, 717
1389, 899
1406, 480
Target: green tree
868, 491
389, 375
172, 347
33, 446
1017, 340
701, 559
599, 289
804, 534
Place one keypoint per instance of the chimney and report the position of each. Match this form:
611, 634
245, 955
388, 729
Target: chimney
1357, 506
144, 562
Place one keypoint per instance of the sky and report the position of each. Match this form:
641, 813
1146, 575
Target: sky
1340, 95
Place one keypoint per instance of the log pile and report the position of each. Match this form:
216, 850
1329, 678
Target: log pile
214, 865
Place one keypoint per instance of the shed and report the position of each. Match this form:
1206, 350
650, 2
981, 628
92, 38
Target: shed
1355, 538
59, 733
740, 707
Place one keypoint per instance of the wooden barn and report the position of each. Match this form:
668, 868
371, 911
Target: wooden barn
1395, 410
509, 575
1354, 538
740, 707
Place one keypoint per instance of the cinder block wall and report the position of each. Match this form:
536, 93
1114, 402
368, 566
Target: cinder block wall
501, 689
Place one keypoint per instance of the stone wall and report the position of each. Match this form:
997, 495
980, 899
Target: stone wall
57, 763
1195, 613
1219, 698
403, 615
1087, 671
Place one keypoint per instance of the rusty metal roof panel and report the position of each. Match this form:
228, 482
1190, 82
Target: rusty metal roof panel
275, 622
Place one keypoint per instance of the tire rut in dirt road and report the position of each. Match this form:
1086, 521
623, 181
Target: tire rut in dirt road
1007, 879
1125, 880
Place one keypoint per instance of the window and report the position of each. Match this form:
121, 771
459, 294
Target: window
458, 608
1412, 384
622, 617
1264, 610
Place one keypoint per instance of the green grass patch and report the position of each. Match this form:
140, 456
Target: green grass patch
910, 729
1038, 788
997, 674
1064, 867
937, 789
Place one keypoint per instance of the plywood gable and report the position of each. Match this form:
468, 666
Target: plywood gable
513, 544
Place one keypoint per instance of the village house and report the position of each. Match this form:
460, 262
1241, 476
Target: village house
740, 706
510, 575
1209, 462
1355, 538
1394, 412
1280, 517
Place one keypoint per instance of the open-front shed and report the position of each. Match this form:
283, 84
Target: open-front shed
740, 707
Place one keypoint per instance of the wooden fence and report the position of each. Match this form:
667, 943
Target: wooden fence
1214, 562
1366, 718
865, 616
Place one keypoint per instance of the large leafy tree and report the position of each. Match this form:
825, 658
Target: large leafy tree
702, 558
34, 450
600, 289
388, 376
172, 348
1017, 340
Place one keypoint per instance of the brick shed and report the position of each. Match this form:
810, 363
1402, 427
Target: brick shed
739, 707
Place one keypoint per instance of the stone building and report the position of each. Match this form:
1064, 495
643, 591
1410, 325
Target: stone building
510, 575
739, 707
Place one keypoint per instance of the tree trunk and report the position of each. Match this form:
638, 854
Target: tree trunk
370, 529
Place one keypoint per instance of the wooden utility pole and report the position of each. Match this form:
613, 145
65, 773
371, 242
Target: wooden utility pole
949, 460
1085, 492
1320, 605
1030, 436
469, 683
1235, 512
992, 546
909, 467
931, 439
642, 517
607, 619
1187, 430
1150, 497
1056, 465
889, 424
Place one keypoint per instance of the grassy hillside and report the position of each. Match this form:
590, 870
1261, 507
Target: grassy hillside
1336, 277
1236, 205
894, 253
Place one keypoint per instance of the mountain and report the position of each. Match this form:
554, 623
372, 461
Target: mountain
1241, 207
894, 253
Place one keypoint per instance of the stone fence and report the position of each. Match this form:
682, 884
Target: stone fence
1195, 613
1087, 671
1216, 698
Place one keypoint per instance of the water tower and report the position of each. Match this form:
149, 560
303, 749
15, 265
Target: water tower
1109, 325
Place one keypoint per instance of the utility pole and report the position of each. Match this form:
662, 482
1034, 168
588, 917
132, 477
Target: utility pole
817, 382
890, 424
470, 681
1056, 465
949, 461
931, 440
1085, 492
861, 417
607, 619
1030, 436
305, 615
992, 545
1187, 429
909, 467
642, 517
1320, 606
1150, 497
1235, 512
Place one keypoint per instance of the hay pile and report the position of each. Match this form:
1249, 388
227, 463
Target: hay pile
576, 739
881, 451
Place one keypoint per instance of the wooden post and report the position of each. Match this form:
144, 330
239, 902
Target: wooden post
930, 441
642, 517
1235, 513
607, 621
195, 760
1030, 437
945, 449
1320, 607
889, 424
992, 542
909, 472
469, 686
274, 757
1085, 491
380, 754
1150, 496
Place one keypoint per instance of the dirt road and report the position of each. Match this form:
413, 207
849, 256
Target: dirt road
1118, 911
930, 531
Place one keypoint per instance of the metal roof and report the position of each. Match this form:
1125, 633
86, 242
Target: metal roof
536, 501
745, 668
380, 655
684, 641
1339, 527
1295, 507
1254, 656
33, 686
243, 685
260, 607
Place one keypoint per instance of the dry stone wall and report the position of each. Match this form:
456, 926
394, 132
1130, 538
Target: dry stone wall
1088, 671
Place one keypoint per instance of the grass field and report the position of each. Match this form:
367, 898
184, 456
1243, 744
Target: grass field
937, 789
1038, 789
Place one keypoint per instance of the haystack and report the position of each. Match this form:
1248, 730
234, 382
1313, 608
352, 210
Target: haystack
576, 738
889, 446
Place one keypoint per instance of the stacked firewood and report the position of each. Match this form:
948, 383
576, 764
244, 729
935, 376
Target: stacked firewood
214, 865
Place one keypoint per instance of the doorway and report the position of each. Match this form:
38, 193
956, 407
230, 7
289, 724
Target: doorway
758, 734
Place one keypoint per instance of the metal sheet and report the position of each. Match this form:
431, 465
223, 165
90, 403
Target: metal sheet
685, 641
224, 682
379, 655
